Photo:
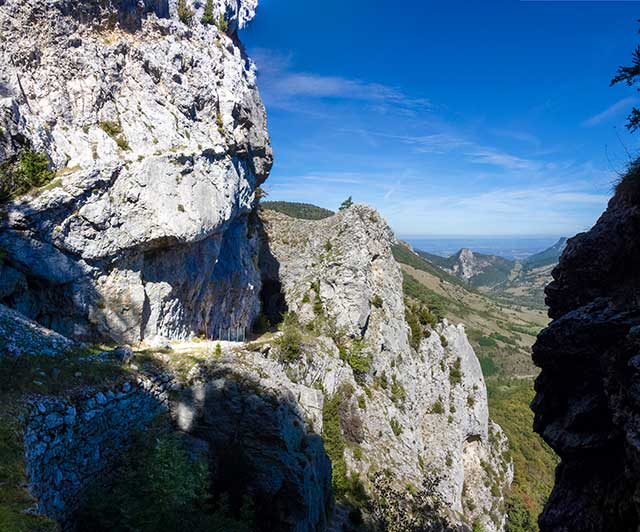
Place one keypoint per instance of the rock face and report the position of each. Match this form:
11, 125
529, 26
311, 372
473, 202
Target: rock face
158, 136
21, 336
588, 393
413, 411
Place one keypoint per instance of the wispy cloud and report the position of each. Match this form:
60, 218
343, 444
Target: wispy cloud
495, 157
621, 105
280, 84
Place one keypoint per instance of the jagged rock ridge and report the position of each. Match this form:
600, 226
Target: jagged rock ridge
415, 411
158, 136
588, 398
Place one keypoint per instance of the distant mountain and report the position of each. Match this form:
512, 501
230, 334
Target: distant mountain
477, 269
547, 257
303, 211
519, 282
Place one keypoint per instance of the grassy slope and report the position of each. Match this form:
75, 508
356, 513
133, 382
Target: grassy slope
502, 336
534, 462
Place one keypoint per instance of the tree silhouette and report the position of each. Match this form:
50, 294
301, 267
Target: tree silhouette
346, 203
630, 75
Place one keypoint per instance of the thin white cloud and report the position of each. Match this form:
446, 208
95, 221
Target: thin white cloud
621, 105
495, 157
280, 84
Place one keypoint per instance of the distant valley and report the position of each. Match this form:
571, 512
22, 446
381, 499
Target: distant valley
519, 282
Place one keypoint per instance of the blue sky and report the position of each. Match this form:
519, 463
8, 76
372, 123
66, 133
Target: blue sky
456, 118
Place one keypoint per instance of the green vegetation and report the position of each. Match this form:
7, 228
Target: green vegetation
455, 373
346, 487
208, 18
114, 130
51, 375
302, 211
185, 13
356, 356
162, 487
220, 123
398, 393
534, 462
222, 24
404, 255
29, 172
630, 75
14, 497
218, 351
438, 407
395, 426
629, 183
290, 343
376, 301
414, 289
346, 203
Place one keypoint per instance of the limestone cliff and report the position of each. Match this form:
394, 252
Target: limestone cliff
158, 137
410, 410
588, 392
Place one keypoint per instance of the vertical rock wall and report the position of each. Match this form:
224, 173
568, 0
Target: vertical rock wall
158, 138
587, 405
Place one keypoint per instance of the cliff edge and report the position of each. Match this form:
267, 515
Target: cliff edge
588, 392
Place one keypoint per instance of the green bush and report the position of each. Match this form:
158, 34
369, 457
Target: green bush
114, 130
185, 13
414, 327
222, 23
438, 407
395, 426
443, 341
207, 17
290, 343
357, 358
346, 203
376, 301
31, 171
398, 393
334, 442
455, 373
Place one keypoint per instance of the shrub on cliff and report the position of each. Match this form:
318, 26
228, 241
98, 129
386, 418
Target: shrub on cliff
290, 343
222, 24
31, 171
629, 183
346, 203
207, 17
396, 510
185, 13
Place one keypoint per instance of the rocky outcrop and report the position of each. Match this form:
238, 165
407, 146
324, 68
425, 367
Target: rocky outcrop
158, 137
588, 393
21, 336
413, 412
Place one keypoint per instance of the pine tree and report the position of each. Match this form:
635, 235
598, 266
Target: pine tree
222, 23
185, 13
346, 203
207, 17
631, 76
